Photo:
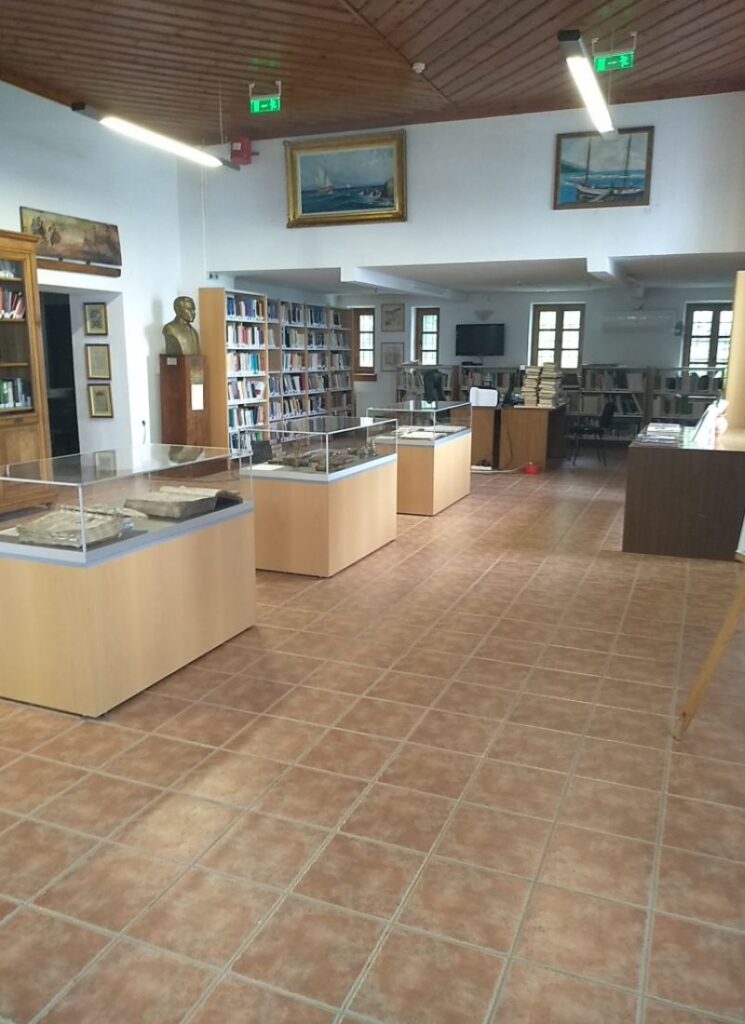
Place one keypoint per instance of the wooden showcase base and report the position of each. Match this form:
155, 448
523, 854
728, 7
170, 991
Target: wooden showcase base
432, 477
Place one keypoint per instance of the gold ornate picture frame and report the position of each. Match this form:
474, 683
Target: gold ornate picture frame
352, 180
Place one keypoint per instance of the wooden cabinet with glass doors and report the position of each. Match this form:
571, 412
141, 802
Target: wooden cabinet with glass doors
24, 424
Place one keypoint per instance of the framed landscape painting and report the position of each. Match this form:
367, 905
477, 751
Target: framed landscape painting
592, 172
63, 237
346, 181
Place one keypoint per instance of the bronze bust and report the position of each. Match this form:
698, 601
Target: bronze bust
181, 338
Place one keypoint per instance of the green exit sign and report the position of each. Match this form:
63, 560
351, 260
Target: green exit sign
266, 104
614, 61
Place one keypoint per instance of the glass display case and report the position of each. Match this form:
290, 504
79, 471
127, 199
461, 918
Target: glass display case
321, 445
420, 422
82, 508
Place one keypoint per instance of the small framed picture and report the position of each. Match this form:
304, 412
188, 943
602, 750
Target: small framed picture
393, 316
391, 355
98, 362
100, 403
96, 321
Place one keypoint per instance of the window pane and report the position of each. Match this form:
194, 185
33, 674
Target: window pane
367, 322
722, 351
367, 340
429, 341
429, 322
570, 339
570, 360
429, 358
547, 318
546, 339
699, 351
572, 319
725, 321
545, 355
702, 318
366, 359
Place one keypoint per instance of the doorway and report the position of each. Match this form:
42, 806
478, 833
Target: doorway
60, 370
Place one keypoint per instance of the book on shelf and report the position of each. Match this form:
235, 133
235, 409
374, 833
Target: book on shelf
12, 304
293, 361
316, 316
240, 417
293, 338
245, 362
292, 313
316, 339
318, 382
338, 339
337, 317
15, 393
252, 308
292, 384
241, 389
339, 361
292, 407
340, 381
272, 309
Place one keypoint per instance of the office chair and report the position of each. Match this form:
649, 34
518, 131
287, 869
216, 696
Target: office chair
594, 430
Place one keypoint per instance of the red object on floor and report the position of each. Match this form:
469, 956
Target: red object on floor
531, 469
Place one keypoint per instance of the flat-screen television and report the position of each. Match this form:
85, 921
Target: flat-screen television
479, 339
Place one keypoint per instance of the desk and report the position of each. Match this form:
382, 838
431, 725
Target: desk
685, 499
509, 436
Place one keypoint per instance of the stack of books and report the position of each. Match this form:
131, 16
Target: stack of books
531, 384
549, 389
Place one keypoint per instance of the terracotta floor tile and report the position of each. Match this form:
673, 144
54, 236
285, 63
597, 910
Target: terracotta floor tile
540, 748
594, 938
28, 782
660, 1013
551, 713
454, 732
246, 694
404, 984
723, 740
381, 718
370, 653
350, 753
583, 639
97, 804
313, 644
519, 652
265, 637
408, 688
190, 683
450, 641
641, 670
31, 855
110, 887
236, 1001
6, 756
336, 944
146, 711
655, 648
472, 699
621, 810
39, 955
631, 727
89, 744
531, 611
619, 693
399, 816
535, 631
278, 738
442, 772
512, 787
28, 728
264, 849
319, 798
705, 828
132, 983
465, 622
621, 762
707, 888
463, 902
619, 869
697, 965
227, 659
702, 779
532, 995
551, 682
204, 916
360, 875
569, 659
205, 723
424, 662
157, 760
503, 675
229, 778
337, 675
177, 826
322, 707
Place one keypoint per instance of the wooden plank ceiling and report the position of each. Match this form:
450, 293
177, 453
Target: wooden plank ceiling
183, 67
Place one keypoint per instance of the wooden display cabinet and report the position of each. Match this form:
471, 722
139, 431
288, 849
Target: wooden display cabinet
24, 418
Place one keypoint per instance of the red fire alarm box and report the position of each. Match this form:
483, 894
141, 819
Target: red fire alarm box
240, 151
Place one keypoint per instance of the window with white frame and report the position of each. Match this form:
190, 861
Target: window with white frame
557, 335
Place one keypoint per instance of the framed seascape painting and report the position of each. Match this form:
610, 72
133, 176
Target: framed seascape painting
63, 237
346, 181
591, 171
393, 316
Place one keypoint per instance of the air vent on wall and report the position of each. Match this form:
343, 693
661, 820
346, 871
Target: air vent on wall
640, 320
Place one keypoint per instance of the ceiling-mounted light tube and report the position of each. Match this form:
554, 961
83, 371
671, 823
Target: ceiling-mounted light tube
150, 138
582, 72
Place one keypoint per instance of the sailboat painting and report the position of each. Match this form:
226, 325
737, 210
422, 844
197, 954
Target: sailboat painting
347, 180
591, 171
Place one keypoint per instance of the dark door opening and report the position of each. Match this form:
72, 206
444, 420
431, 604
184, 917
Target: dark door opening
57, 333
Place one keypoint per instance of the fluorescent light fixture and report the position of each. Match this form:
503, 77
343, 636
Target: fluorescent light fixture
150, 138
584, 77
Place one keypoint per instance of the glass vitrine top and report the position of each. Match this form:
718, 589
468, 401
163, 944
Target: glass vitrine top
115, 463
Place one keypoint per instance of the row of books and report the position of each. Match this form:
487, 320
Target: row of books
292, 313
318, 382
316, 316
12, 304
339, 361
244, 416
339, 381
317, 361
339, 403
293, 407
15, 393
685, 406
240, 443
245, 335
242, 390
690, 382
292, 384
317, 339
316, 405
239, 305
293, 361
292, 338
245, 362
613, 379
339, 339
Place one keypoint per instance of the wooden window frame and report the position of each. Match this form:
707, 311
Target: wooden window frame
558, 308
420, 313
363, 372
716, 308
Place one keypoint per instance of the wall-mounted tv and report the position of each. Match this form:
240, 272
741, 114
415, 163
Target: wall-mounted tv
479, 339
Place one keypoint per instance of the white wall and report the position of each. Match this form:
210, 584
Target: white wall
62, 162
482, 191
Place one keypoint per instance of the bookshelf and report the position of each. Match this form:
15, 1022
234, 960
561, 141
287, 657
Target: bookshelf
281, 361
680, 394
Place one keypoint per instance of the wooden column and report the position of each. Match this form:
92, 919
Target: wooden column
735, 393
183, 415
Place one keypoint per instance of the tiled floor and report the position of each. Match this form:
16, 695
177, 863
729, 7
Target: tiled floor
437, 789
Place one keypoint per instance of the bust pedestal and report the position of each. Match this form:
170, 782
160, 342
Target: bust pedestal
183, 414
